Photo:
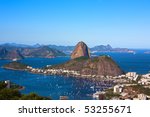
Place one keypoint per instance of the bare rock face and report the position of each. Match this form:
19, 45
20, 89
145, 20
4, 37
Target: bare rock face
81, 50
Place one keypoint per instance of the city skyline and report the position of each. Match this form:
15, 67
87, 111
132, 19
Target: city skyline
120, 23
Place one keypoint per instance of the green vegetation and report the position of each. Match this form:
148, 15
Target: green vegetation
15, 86
14, 94
109, 94
15, 66
95, 59
81, 59
9, 94
2, 85
12, 85
33, 96
141, 89
106, 57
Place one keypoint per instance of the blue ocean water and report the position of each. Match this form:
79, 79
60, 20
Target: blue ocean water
55, 86
129, 62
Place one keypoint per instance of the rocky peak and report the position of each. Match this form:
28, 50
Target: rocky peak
81, 50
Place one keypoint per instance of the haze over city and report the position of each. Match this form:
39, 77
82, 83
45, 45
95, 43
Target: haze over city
120, 23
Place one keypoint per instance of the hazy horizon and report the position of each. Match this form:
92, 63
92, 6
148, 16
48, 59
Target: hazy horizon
120, 23
74, 45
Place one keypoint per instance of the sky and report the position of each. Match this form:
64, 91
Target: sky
120, 23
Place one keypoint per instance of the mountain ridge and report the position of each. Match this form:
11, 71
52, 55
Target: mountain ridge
26, 52
69, 49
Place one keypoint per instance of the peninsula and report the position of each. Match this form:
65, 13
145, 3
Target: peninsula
81, 65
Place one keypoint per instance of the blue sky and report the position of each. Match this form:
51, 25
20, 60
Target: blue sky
121, 23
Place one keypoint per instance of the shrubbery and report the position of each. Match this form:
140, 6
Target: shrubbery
14, 94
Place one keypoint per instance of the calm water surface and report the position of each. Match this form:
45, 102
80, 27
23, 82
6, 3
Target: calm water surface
55, 86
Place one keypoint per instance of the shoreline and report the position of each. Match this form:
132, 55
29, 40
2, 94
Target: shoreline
90, 77
109, 82
94, 78
8, 68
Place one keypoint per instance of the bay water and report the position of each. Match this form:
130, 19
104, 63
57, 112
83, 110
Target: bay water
76, 89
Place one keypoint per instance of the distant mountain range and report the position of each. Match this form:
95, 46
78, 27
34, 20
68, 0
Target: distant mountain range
16, 51
14, 45
19, 51
99, 48
65, 49
109, 48
10, 53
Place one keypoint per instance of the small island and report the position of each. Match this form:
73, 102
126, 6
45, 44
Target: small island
15, 66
